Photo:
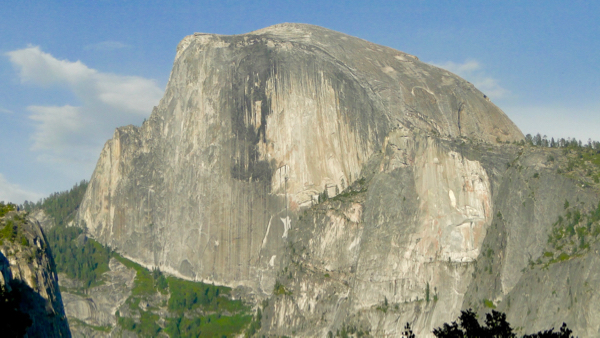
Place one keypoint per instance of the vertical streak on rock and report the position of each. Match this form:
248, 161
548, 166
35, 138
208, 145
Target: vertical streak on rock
238, 107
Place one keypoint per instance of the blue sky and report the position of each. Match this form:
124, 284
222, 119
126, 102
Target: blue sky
71, 72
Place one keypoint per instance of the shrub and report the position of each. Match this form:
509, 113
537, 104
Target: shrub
279, 289
6, 208
489, 304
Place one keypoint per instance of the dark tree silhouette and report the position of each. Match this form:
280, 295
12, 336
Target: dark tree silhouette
496, 326
564, 332
408, 333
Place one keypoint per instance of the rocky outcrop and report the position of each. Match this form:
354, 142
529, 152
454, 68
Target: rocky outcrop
26, 263
93, 314
399, 246
40, 216
538, 285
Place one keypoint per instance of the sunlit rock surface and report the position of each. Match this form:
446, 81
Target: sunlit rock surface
252, 128
228, 181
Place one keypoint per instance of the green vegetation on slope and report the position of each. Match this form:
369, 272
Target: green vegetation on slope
579, 226
211, 325
11, 225
195, 309
6, 208
256, 322
79, 257
571, 235
579, 161
60, 206
218, 314
145, 326
74, 254
187, 296
144, 280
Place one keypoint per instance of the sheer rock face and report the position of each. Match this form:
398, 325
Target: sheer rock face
252, 128
30, 267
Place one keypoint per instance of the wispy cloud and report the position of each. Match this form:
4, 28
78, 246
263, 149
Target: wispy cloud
10, 192
472, 71
106, 46
75, 134
6, 111
58, 127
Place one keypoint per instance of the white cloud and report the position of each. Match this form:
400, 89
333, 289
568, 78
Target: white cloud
43, 69
5, 111
106, 46
10, 192
472, 71
75, 134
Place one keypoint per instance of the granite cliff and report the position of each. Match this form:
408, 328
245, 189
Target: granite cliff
257, 125
347, 183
